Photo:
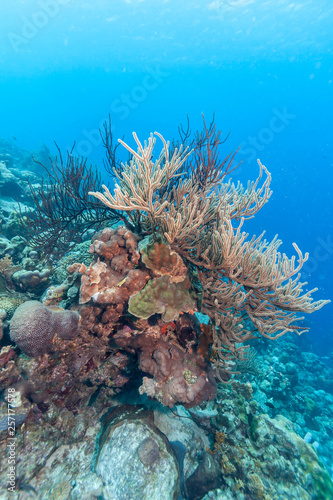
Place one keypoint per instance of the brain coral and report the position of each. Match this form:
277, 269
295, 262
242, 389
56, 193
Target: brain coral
9, 304
34, 326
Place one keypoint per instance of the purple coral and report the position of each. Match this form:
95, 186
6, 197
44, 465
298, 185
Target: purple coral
34, 326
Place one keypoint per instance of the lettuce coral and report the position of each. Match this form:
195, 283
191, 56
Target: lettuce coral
162, 296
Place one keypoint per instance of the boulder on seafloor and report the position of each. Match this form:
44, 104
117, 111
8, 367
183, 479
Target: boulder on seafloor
135, 459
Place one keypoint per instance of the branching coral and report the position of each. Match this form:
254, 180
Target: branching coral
140, 182
248, 285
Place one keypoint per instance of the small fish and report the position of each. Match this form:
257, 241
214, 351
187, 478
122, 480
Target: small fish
23, 434
270, 405
122, 281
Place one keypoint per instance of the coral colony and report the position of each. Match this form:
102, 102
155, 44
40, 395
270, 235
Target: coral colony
169, 293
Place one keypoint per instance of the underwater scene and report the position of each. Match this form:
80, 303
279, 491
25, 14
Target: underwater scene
166, 250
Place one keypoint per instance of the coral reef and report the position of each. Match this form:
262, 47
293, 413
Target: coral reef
172, 270
29, 276
248, 287
167, 352
297, 385
9, 372
257, 457
9, 304
69, 376
53, 295
129, 313
238, 454
179, 374
107, 284
32, 281
162, 260
118, 279
7, 268
136, 460
169, 292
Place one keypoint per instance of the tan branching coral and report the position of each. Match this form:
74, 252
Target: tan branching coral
141, 180
248, 286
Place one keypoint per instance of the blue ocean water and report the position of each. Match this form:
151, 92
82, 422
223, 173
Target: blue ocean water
263, 68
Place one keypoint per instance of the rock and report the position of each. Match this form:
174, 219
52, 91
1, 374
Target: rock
179, 427
135, 460
206, 477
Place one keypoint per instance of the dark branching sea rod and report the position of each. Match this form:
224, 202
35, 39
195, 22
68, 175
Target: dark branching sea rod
192, 253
